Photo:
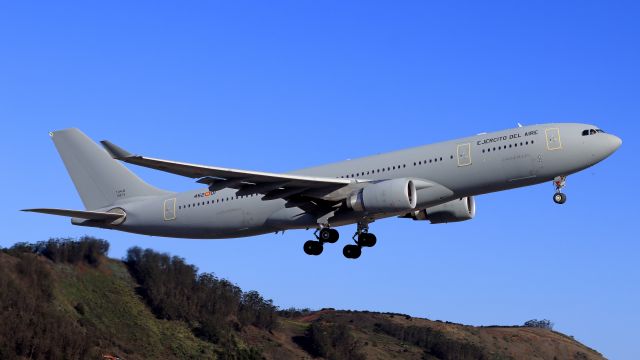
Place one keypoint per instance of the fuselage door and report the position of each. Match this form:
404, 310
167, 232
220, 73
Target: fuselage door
464, 154
169, 209
553, 139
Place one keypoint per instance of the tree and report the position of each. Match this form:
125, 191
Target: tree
542, 324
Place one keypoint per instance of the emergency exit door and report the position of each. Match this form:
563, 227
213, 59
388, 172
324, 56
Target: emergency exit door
464, 154
169, 209
553, 139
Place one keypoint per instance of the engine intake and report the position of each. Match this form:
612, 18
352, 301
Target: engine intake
452, 211
385, 196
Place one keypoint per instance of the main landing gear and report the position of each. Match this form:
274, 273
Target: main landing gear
559, 197
323, 235
362, 238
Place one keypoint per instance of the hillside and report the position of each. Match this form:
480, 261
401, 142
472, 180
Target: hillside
65, 299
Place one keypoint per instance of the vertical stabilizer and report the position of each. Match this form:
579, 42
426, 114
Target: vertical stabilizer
99, 179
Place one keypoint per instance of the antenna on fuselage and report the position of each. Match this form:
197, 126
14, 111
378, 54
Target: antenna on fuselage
519, 125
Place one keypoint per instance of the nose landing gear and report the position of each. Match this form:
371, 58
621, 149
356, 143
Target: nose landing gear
559, 197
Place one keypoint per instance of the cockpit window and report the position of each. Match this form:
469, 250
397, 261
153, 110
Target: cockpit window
592, 132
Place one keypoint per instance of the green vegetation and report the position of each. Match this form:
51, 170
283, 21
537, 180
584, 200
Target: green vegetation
434, 342
333, 341
32, 327
211, 306
64, 299
542, 324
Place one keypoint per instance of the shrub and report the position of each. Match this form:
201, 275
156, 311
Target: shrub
542, 324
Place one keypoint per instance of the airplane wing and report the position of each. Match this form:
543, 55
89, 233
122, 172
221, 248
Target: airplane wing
273, 185
81, 214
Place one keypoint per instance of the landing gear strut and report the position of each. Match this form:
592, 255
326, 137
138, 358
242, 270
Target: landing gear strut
559, 197
362, 238
323, 235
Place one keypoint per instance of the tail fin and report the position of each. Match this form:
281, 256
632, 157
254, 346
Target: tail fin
99, 179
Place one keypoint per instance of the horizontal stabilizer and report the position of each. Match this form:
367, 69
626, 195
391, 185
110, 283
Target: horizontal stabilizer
89, 215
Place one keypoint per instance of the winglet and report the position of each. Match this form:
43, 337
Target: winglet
115, 151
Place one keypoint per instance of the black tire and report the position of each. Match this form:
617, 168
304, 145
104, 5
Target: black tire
335, 235
559, 198
313, 248
328, 235
352, 251
367, 240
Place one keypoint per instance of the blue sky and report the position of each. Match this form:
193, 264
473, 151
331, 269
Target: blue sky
277, 86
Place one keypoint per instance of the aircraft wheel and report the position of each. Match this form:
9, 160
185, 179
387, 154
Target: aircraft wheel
352, 251
312, 247
328, 235
559, 198
367, 239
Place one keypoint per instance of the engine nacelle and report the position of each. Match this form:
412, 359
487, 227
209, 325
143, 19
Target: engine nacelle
452, 211
386, 196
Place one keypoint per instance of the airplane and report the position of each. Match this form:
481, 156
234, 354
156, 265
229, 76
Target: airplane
437, 183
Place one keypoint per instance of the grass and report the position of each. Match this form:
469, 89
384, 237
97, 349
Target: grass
109, 306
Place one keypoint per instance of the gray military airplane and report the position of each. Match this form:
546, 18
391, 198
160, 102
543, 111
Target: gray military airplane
435, 182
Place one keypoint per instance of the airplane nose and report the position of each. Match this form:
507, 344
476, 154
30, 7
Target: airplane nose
612, 144
615, 143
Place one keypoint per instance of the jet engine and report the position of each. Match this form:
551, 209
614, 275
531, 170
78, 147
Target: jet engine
385, 196
452, 211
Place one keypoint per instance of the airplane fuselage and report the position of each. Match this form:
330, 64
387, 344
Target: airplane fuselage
464, 167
